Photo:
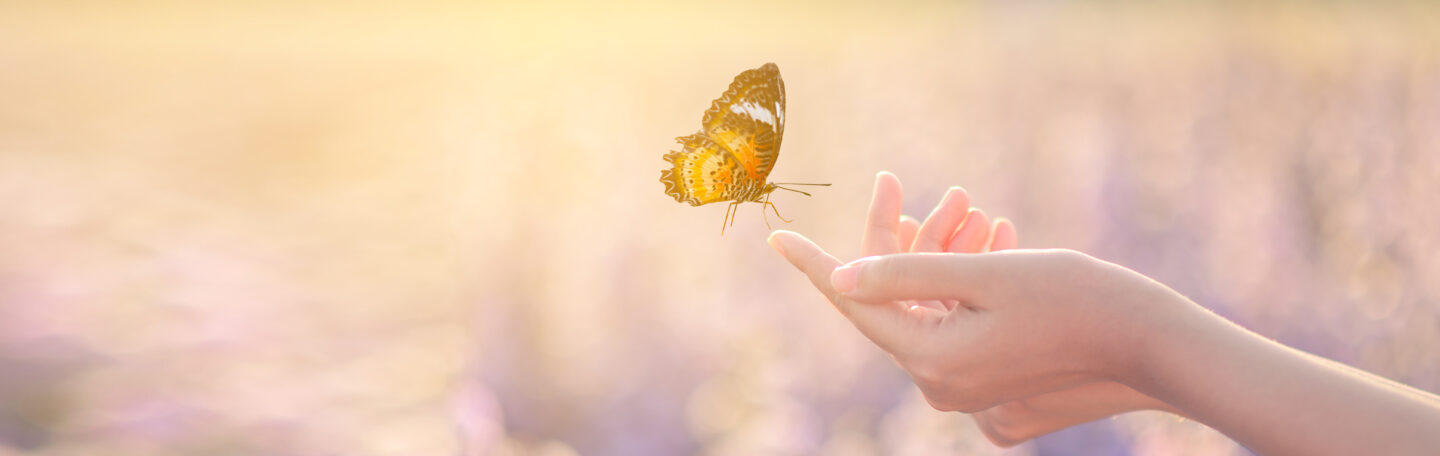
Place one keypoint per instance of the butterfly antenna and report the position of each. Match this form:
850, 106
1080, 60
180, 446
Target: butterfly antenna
778, 185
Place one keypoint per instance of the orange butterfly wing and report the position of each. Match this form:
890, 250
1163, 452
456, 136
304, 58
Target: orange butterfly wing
703, 173
739, 141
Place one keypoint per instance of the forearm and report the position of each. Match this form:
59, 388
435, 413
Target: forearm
1277, 400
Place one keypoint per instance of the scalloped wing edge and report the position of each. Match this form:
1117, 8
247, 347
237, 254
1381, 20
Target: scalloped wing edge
766, 71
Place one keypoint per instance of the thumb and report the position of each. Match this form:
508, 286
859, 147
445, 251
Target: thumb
913, 276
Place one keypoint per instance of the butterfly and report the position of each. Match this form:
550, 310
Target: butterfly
735, 149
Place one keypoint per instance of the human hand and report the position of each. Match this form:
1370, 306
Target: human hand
952, 227
1040, 339
1027, 322
955, 227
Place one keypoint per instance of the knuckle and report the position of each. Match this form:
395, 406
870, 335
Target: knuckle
925, 374
810, 261
938, 404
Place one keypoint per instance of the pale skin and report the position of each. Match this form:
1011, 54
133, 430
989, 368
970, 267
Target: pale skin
1033, 341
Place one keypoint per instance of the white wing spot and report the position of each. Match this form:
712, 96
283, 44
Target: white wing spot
757, 112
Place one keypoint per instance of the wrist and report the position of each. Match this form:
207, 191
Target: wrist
1186, 352
1163, 327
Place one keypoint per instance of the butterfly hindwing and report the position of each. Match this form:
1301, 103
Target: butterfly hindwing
700, 172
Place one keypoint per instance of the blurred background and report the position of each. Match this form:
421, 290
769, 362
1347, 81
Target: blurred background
437, 228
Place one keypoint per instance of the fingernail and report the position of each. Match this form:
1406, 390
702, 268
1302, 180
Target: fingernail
775, 243
844, 278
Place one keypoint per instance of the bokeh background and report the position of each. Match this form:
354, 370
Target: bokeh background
437, 228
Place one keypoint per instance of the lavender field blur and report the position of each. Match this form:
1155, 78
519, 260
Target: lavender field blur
320, 228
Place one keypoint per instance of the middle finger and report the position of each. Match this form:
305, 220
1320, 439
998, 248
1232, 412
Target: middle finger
942, 221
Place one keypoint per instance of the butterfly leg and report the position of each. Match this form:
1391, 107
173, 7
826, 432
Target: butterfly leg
730, 212
770, 205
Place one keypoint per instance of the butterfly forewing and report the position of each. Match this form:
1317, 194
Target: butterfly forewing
749, 119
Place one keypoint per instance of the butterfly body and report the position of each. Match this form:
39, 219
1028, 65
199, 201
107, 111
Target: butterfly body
731, 156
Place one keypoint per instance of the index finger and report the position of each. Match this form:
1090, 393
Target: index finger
886, 324
809, 258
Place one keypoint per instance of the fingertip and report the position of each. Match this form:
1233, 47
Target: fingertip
883, 218
958, 191
843, 278
977, 219
798, 249
973, 234
955, 197
776, 241
787, 242
886, 179
887, 190
980, 222
807, 257
909, 226
781, 233
1005, 236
